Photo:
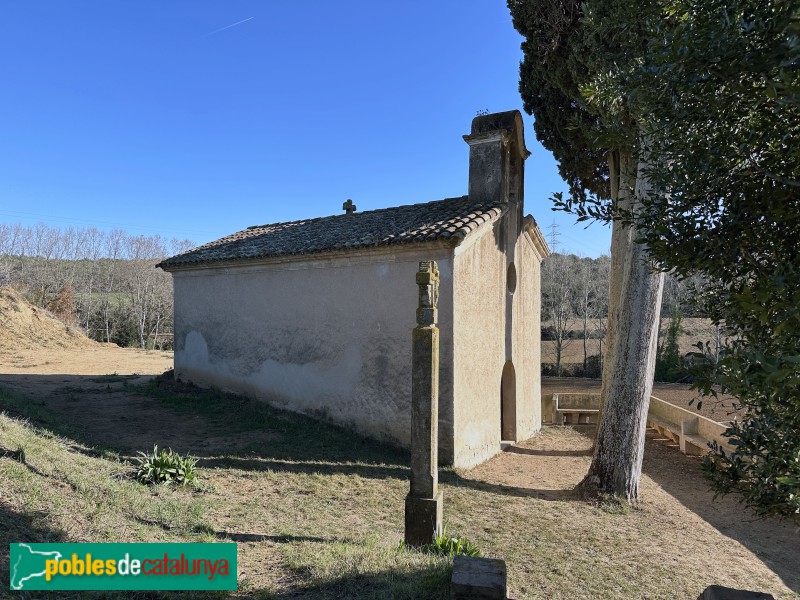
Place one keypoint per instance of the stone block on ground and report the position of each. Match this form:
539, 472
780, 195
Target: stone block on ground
719, 592
483, 578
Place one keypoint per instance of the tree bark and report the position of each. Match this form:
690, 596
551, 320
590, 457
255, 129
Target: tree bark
634, 304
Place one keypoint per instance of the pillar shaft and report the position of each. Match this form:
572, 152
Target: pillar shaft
424, 501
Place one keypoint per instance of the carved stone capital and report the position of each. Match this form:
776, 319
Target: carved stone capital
428, 282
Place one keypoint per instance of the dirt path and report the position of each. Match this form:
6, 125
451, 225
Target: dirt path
96, 359
678, 524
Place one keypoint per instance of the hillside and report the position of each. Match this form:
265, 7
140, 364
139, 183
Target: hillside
24, 326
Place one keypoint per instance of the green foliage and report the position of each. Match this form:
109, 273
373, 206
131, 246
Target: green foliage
727, 110
592, 369
762, 369
165, 467
669, 363
558, 58
709, 94
770, 484
446, 545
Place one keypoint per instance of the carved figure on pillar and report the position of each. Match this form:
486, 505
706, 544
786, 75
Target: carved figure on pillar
428, 282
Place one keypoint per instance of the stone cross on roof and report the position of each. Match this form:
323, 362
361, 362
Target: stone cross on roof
349, 207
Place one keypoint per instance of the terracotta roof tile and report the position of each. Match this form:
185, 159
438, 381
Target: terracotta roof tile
452, 218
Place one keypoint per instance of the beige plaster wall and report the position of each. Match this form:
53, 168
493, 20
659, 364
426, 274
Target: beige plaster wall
527, 348
491, 326
329, 337
479, 344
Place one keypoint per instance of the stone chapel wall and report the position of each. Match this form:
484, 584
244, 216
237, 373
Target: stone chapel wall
493, 326
478, 331
329, 337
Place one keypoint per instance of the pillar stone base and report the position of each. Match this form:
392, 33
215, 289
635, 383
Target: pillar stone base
423, 517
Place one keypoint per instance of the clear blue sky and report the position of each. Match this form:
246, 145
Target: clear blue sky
197, 119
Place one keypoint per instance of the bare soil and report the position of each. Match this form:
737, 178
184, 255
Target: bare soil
677, 525
94, 359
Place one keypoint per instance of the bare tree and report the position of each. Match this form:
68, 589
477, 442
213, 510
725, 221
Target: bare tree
105, 280
141, 281
558, 294
601, 276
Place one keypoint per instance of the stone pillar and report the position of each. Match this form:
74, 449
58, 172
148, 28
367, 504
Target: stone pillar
424, 501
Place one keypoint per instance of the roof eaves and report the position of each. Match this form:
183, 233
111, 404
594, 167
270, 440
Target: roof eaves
292, 257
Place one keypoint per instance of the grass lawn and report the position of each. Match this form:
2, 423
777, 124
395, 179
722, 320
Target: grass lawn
317, 512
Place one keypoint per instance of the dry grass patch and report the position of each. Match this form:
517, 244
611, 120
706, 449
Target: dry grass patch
309, 523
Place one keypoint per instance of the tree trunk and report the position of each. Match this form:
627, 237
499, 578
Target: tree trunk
558, 356
634, 303
601, 333
155, 330
585, 339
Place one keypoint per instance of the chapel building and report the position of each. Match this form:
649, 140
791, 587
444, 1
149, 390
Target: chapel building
315, 316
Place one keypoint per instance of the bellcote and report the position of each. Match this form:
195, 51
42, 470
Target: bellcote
497, 156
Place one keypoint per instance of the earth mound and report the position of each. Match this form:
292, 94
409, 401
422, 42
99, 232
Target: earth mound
24, 326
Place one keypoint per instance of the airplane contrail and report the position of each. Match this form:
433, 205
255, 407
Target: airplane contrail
227, 27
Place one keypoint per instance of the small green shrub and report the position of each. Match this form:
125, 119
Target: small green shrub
165, 467
445, 545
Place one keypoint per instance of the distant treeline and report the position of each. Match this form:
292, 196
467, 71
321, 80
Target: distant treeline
103, 281
106, 282
575, 307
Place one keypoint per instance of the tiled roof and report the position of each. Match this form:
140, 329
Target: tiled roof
449, 219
